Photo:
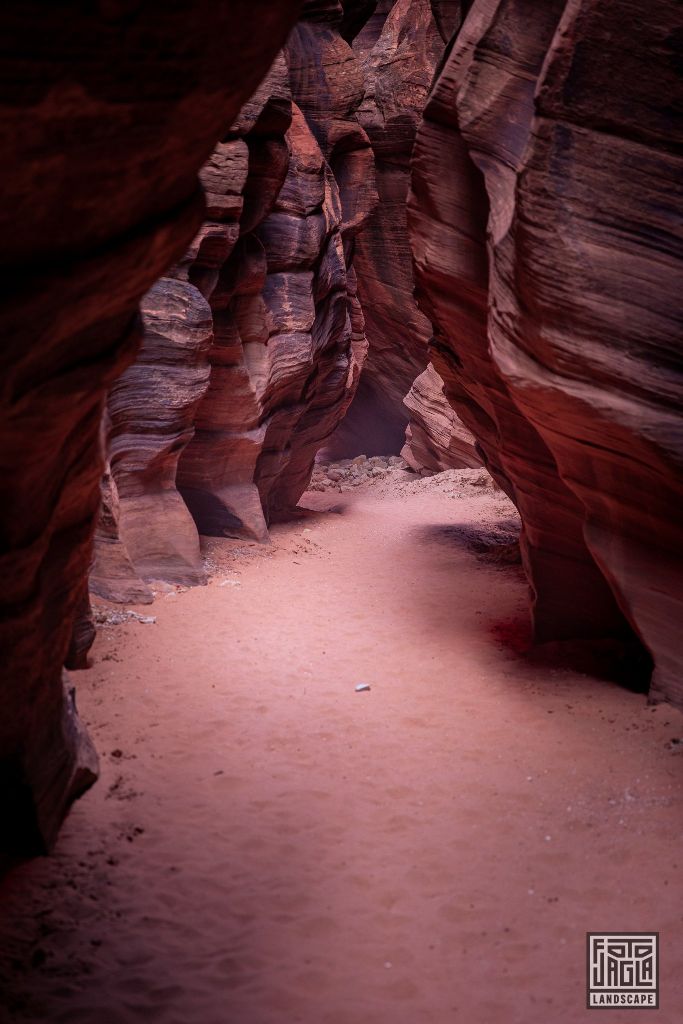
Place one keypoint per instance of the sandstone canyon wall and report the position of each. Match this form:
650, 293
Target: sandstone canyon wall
399, 49
435, 438
546, 176
592, 352
268, 352
99, 196
292, 335
145, 531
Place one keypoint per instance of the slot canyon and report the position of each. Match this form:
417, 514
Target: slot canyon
341, 631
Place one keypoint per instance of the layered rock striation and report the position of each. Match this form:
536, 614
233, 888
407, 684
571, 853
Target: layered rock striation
399, 50
436, 439
289, 187
541, 215
216, 474
146, 532
289, 337
545, 190
590, 345
101, 150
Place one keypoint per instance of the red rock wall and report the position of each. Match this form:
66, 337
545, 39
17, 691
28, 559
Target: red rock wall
436, 439
289, 188
101, 148
147, 531
327, 84
222, 267
291, 335
399, 50
309, 292
589, 340
113, 575
545, 178
150, 418
535, 223
223, 445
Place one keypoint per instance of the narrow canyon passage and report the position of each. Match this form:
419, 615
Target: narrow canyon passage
268, 845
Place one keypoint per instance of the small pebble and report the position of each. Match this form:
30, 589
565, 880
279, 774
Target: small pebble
360, 687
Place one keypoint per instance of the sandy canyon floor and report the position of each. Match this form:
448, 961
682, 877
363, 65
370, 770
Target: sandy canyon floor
268, 846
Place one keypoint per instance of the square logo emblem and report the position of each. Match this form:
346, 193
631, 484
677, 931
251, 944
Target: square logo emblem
623, 970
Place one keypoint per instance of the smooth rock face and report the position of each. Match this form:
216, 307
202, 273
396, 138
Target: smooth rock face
113, 575
529, 230
592, 356
146, 530
288, 331
399, 58
456, 211
99, 196
308, 293
435, 437
227, 262
150, 414
273, 262
83, 632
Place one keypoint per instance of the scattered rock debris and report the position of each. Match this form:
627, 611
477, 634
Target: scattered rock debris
349, 473
113, 617
393, 471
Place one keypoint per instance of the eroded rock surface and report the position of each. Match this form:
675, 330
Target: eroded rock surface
287, 192
285, 361
288, 330
288, 189
546, 178
531, 222
436, 439
146, 532
101, 150
592, 353
399, 49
